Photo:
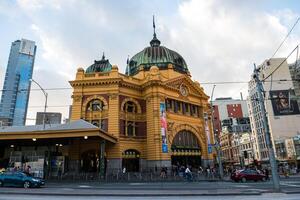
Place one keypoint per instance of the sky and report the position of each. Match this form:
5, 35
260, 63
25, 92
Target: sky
219, 39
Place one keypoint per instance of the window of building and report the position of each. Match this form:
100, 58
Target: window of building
130, 107
95, 105
169, 104
99, 123
130, 129
186, 108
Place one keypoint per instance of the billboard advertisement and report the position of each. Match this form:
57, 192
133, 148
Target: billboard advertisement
282, 104
209, 145
163, 122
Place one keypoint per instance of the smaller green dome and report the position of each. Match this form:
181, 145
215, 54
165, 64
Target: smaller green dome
102, 65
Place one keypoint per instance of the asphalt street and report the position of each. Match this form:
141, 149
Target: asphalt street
271, 196
290, 189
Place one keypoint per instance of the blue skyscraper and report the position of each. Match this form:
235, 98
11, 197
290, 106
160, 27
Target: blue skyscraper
16, 88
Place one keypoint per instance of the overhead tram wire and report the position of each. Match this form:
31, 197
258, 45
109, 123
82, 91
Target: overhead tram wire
202, 83
296, 48
286, 37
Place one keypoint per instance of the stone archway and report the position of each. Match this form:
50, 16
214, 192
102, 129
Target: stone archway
201, 137
131, 160
186, 149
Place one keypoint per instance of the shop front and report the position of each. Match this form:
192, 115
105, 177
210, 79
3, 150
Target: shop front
56, 153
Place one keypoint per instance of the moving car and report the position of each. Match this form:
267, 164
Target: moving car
246, 175
20, 179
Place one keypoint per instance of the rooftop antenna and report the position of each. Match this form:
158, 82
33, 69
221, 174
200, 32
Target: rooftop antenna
154, 34
154, 42
127, 66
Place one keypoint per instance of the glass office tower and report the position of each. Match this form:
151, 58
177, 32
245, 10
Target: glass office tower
16, 88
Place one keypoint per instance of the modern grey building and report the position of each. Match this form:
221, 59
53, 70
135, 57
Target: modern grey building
282, 111
50, 118
16, 88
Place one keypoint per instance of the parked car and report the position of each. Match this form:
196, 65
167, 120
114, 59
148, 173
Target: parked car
246, 175
20, 179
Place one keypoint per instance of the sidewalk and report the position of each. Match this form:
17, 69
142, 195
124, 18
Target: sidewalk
105, 192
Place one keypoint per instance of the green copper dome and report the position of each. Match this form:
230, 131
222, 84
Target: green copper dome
157, 55
102, 65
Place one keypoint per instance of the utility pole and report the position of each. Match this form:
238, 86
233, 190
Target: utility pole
216, 136
261, 95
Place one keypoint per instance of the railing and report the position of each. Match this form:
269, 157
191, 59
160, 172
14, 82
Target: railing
137, 177
96, 114
132, 116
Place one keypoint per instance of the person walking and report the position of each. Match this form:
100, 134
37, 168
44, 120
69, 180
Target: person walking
188, 173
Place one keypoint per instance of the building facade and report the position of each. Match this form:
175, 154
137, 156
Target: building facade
282, 111
159, 115
295, 75
152, 117
16, 88
226, 109
231, 121
50, 118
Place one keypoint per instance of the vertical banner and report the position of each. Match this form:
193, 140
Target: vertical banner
209, 146
163, 122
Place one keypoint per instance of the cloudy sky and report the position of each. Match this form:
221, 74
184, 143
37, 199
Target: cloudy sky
220, 40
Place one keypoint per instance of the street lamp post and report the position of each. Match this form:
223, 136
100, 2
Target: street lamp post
46, 99
216, 136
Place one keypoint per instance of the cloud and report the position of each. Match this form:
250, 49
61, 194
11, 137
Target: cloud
222, 41
34, 5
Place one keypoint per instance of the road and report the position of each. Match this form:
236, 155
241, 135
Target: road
262, 197
161, 190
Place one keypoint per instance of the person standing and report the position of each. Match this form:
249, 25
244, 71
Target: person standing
267, 174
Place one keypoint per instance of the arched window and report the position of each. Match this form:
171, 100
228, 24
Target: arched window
185, 140
130, 129
95, 105
129, 106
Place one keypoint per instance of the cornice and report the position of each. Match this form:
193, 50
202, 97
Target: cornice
95, 82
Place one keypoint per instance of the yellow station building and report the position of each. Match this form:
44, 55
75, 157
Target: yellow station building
152, 116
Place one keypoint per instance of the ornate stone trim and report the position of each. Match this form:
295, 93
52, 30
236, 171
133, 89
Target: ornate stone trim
139, 109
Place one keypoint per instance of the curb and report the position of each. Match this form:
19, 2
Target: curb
134, 194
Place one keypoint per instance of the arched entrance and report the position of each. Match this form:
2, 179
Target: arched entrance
89, 161
186, 149
131, 160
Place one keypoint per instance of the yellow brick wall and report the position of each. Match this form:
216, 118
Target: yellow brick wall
153, 86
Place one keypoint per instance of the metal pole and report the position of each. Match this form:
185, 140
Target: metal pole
46, 99
260, 91
217, 142
45, 108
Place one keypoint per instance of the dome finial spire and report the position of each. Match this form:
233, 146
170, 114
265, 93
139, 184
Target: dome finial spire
154, 42
103, 56
154, 34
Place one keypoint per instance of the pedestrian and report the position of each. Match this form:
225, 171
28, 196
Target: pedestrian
208, 172
163, 173
27, 170
188, 173
267, 174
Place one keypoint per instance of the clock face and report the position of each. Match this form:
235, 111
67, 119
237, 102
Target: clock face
183, 90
